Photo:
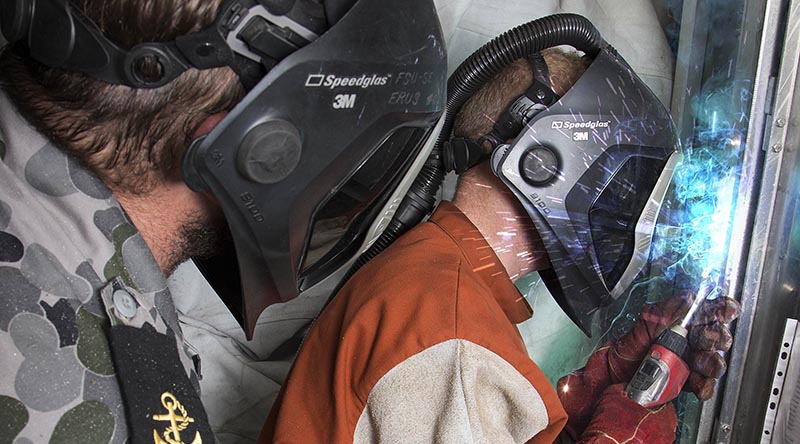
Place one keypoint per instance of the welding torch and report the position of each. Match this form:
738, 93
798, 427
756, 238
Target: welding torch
663, 371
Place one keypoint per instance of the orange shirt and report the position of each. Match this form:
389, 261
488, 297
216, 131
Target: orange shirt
420, 346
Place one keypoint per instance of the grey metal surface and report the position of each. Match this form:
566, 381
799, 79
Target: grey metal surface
787, 417
741, 52
769, 283
689, 64
779, 420
756, 61
716, 422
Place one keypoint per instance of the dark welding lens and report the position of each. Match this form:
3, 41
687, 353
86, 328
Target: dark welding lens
341, 223
615, 213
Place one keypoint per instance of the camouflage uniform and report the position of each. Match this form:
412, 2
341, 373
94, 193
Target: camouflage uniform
81, 300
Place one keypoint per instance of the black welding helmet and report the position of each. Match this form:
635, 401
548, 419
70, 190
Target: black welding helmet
591, 169
306, 163
343, 95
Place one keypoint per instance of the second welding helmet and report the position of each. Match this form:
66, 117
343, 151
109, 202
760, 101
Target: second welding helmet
306, 163
591, 168
342, 97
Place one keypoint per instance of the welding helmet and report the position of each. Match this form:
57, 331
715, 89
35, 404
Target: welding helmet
343, 95
591, 168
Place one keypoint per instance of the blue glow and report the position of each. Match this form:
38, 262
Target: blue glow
693, 235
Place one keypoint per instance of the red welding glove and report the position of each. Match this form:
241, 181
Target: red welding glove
617, 362
618, 419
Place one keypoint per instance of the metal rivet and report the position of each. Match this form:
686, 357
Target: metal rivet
124, 304
777, 148
780, 123
726, 427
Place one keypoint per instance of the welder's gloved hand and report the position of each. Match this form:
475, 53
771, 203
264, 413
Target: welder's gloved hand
617, 362
618, 419
708, 336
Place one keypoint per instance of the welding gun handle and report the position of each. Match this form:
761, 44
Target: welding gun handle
673, 339
662, 373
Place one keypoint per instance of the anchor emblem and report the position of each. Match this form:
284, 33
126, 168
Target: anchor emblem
178, 419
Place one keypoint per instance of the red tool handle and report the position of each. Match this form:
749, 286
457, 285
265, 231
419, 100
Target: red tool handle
678, 373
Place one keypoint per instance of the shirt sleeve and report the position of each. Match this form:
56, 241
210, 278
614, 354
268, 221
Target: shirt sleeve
453, 392
420, 346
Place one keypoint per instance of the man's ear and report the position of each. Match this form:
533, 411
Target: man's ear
208, 124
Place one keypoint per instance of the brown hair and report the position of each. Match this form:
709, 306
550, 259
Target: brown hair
131, 138
477, 116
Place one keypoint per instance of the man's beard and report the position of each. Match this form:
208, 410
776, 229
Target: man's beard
201, 240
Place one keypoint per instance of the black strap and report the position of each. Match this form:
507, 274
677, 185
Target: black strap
539, 67
159, 399
541, 90
538, 96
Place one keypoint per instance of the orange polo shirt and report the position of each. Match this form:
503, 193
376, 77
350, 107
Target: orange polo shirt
420, 346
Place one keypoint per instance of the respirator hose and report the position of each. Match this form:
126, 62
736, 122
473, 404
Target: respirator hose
474, 72
559, 29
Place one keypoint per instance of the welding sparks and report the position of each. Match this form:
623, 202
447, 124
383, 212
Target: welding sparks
483, 267
489, 118
698, 212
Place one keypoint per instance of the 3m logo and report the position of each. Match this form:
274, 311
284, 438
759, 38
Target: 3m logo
558, 124
343, 101
580, 136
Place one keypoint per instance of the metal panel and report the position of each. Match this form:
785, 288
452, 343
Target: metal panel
768, 289
689, 64
738, 44
779, 417
763, 259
